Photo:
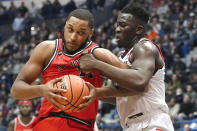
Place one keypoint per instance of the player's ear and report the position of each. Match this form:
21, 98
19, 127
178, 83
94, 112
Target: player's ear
91, 33
139, 29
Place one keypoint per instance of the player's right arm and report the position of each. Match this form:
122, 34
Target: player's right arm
110, 100
11, 125
22, 88
108, 57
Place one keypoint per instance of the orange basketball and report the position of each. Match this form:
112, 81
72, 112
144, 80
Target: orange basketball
76, 90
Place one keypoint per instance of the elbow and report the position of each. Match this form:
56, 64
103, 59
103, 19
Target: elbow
13, 93
141, 86
138, 86
141, 89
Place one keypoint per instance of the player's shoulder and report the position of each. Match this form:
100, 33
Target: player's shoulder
48, 44
45, 47
44, 50
101, 50
146, 46
12, 122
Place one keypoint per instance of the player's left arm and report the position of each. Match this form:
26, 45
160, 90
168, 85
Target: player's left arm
11, 125
108, 57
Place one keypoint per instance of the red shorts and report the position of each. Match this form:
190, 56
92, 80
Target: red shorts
59, 124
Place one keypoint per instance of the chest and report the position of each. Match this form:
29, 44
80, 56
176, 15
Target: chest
62, 62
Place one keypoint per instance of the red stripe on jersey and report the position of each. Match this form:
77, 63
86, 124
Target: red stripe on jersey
159, 130
160, 54
131, 61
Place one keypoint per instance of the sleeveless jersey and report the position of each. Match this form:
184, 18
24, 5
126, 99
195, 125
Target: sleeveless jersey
20, 126
63, 64
151, 100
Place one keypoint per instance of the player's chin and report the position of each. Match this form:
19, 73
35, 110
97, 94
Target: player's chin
120, 44
72, 48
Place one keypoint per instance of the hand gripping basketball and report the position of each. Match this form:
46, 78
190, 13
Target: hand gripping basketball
75, 88
50, 93
90, 98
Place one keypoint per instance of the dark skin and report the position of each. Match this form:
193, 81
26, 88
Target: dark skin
146, 59
25, 115
76, 32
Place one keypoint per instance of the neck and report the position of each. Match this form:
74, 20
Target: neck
132, 42
26, 119
70, 52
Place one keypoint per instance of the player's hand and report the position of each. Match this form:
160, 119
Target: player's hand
89, 99
50, 93
87, 62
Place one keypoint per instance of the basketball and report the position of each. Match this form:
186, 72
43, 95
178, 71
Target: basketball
76, 90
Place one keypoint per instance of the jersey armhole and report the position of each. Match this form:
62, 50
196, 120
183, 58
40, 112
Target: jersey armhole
161, 66
93, 48
53, 56
130, 59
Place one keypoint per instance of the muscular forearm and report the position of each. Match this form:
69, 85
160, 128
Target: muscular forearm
110, 100
126, 78
22, 90
111, 92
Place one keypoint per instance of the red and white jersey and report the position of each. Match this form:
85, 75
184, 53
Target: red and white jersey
20, 126
151, 100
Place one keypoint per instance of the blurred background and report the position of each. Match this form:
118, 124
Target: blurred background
173, 25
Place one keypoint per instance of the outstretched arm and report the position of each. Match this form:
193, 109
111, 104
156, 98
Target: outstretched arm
108, 57
133, 79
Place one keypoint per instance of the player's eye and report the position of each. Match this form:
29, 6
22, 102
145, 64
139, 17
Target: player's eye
69, 29
123, 25
81, 33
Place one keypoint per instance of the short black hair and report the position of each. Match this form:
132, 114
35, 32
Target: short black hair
83, 14
137, 11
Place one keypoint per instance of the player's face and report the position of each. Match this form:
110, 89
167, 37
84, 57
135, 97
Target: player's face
25, 109
125, 30
76, 32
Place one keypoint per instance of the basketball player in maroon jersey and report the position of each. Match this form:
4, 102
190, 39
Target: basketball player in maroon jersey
24, 121
54, 59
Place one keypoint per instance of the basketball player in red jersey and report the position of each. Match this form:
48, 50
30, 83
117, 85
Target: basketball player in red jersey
143, 106
24, 121
54, 59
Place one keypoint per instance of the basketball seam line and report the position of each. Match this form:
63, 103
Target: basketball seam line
65, 100
69, 103
79, 96
71, 94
